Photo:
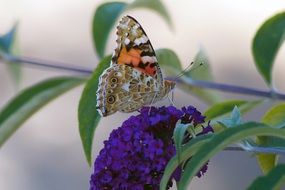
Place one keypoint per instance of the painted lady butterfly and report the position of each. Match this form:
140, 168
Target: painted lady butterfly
134, 78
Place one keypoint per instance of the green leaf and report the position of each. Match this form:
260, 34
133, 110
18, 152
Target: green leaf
88, 115
178, 136
222, 140
236, 116
188, 150
169, 61
273, 180
201, 71
9, 45
275, 117
234, 120
103, 21
266, 44
27, 102
266, 161
155, 5
223, 109
7, 40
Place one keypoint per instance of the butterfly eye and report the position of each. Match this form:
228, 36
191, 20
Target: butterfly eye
114, 80
111, 99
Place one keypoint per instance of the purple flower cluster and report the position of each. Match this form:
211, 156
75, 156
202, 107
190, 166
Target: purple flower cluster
136, 153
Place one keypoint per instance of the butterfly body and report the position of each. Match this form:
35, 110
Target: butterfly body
134, 78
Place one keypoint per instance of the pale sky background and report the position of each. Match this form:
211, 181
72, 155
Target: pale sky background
46, 152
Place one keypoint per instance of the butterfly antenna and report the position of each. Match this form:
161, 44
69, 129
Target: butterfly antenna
188, 68
184, 71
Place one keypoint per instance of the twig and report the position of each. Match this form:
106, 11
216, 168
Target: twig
186, 80
265, 150
44, 64
232, 88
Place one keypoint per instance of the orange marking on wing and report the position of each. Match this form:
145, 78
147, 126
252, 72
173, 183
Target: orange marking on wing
133, 56
150, 70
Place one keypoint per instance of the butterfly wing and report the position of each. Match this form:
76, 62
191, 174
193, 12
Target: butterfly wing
134, 78
123, 88
134, 49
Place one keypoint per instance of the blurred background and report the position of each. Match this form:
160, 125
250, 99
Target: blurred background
46, 152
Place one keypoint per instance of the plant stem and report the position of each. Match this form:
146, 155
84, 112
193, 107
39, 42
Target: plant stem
44, 64
197, 83
267, 150
232, 88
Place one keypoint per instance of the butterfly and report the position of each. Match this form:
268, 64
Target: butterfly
134, 78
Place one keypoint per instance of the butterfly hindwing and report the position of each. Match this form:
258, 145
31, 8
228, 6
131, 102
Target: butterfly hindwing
125, 89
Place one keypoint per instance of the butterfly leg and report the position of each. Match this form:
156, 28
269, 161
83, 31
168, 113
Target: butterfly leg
171, 99
152, 101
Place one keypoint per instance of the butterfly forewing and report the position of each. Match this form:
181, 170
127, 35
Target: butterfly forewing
134, 49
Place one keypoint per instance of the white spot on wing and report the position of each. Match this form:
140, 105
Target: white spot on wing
136, 26
124, 24
147, 79
119, 74
141, 40
134, 32
136, 74
126, 87
148, 59
127, 41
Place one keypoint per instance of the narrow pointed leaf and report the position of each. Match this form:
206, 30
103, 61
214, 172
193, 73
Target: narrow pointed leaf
88, 116
233, 121
236, 115
223, 109
178, 136
266, 161
9, 45
273, 180
188, 150
7, 40
275, 117
220, 111
103, 21
30, 100
266, 44
222, 140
